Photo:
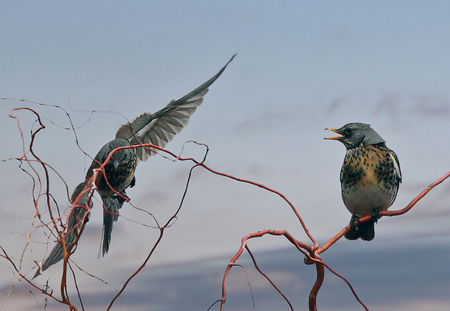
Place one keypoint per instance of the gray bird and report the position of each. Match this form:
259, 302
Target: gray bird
370, 176
158, 128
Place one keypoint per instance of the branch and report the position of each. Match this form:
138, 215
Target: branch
386, 213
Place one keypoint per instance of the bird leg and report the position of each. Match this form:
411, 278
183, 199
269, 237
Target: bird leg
122, 197
354, 233
353, 220
133, 182
375, 215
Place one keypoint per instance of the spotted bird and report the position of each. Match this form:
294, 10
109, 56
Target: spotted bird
370, 176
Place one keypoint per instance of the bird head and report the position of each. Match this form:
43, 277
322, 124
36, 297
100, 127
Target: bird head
354, 134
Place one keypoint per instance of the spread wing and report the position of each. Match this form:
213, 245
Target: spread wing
160, 127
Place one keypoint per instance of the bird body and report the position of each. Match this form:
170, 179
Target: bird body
118, 175
369, 179
370, 176
119, 170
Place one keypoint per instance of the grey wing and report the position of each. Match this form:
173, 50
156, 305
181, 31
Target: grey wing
160, 127
73, 230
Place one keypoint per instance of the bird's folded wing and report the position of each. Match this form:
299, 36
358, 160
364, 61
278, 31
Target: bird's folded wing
74, 226
160, 127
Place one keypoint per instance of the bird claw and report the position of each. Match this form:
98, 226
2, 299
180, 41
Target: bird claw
375, 215
353, 233
122, 197
353, 221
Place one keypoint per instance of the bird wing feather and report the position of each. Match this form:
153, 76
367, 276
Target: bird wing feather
73, 230
160, 127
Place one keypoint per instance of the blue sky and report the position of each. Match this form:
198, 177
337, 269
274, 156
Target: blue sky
301, 66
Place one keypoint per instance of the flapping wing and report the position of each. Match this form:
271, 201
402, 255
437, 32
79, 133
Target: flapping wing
160, 127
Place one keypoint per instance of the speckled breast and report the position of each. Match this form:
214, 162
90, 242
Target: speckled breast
369, 179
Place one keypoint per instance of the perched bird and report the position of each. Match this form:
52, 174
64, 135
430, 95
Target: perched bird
158, 129
76, 219
370, 176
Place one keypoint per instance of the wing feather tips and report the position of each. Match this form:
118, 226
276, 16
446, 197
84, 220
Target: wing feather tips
161, 127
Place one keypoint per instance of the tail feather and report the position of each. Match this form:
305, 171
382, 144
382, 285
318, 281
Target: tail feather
365, 231
111, 206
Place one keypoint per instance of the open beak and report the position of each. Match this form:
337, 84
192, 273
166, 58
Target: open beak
336, 131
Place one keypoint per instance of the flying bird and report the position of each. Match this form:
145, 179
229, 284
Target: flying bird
158, 129
370, 176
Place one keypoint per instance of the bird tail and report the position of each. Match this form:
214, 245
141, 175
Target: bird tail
111, 206
365, 231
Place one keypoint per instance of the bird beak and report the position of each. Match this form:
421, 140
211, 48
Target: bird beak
336, 131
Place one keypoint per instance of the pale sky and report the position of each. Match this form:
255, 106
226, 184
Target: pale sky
301, 66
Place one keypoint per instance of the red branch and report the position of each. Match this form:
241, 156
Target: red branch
311, 252
386, 213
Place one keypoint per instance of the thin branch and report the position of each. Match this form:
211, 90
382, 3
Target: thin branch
386, 213
267, 278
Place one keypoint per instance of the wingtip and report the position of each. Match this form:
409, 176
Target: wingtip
38, 272
232, 57
224, 67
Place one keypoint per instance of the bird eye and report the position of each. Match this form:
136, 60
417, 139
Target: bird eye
348, 131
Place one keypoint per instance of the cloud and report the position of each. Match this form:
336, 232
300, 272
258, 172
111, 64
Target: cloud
388, 103
335, 104
431, 105
399, 271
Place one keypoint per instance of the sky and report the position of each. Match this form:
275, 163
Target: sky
301, 66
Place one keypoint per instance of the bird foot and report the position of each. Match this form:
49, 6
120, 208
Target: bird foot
375, 215
354, 222
122, 197
365, 231
354, 233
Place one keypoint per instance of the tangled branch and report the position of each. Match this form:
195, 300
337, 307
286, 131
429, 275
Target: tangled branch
68, 233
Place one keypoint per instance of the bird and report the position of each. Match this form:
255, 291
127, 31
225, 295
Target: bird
370, 176
78, 216
158, 129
